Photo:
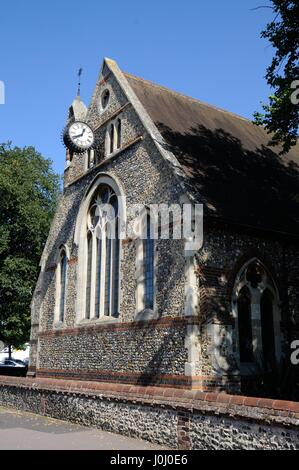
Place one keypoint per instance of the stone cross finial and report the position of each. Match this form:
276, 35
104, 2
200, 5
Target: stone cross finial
79, 80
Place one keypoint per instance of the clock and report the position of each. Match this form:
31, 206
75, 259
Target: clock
78, 137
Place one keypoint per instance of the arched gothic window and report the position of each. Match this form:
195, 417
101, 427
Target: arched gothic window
111, 134
61, 280
113, 137
148, 266
118, 133
244, 324
90, 158
255, 305
102, 249
145, 268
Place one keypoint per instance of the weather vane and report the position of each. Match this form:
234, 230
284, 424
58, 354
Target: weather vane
79, 80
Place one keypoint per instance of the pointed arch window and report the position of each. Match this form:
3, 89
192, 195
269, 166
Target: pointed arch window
145, 268
61, 284
257, 315
118, 133
90, 158
102, 264
113, 136
148, 266
98, 286
88, 274
244, 324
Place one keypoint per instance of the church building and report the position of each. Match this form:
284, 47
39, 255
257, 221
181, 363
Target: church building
167, 311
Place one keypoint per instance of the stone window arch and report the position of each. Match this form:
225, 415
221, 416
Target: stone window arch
90, 158
148, 265
255, 306
111, 137
118, 133
98, 234
113, 140
145, 267
61, 285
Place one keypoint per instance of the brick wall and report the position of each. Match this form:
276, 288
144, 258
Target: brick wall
180, 419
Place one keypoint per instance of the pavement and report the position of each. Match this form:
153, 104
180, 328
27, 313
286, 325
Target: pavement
20, 430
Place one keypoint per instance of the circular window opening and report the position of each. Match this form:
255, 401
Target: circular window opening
105, 99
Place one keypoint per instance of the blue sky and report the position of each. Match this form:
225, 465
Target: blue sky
210, 50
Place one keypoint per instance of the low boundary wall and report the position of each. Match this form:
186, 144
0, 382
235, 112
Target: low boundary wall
179, 419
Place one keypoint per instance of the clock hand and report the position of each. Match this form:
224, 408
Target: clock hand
79, 135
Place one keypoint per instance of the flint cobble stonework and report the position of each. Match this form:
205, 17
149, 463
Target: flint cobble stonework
179, 419
216, 433
144, 349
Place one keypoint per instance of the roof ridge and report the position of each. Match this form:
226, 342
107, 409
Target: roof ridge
182, 95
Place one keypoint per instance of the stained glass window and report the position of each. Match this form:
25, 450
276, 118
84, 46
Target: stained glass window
63, 266
103, 262
148, 264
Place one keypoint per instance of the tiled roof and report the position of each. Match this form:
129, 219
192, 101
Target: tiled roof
226, 159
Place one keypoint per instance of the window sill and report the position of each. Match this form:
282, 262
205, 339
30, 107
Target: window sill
58, 325
146, 314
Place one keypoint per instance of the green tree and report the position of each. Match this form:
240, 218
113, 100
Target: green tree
281, 113
28, 195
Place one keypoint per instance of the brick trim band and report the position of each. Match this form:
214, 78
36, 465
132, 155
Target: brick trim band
174, 380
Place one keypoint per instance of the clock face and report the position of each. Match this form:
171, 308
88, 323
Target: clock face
81, 135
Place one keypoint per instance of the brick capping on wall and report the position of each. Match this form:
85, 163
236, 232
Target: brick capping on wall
160, 380
262, 410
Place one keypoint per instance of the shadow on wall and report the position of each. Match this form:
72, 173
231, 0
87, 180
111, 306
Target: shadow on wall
273, 380
257, 188
169, 357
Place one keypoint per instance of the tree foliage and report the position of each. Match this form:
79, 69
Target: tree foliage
28, 193
281, 113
